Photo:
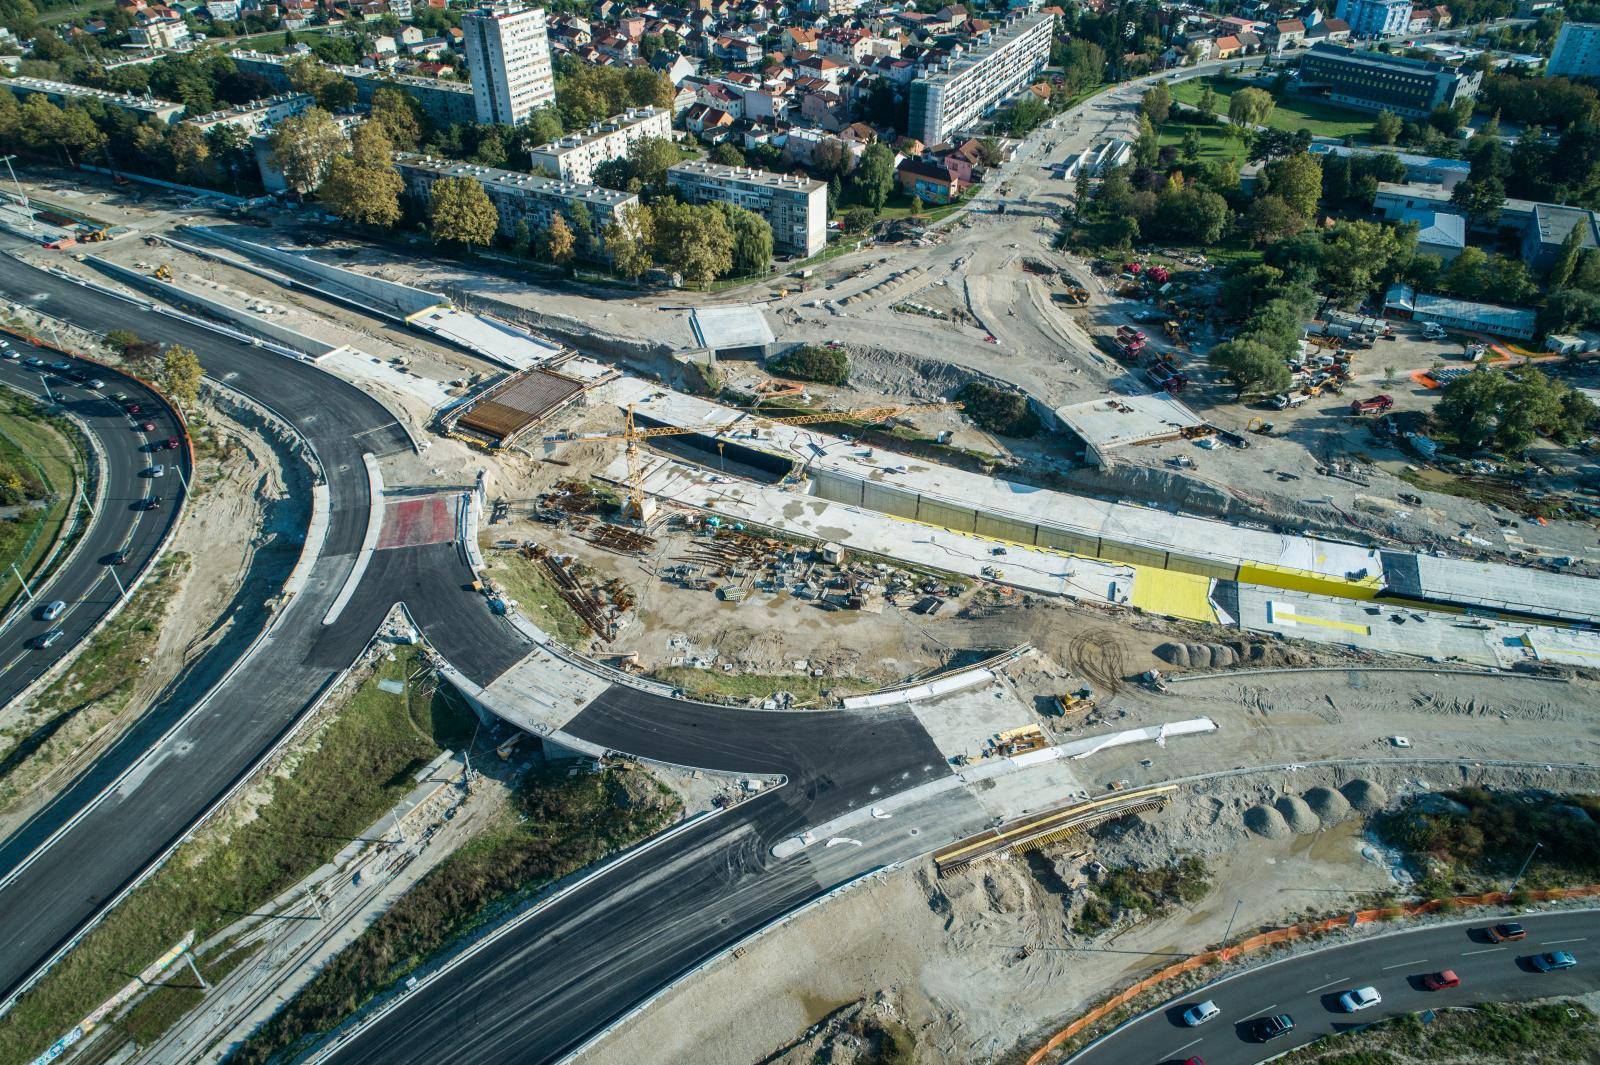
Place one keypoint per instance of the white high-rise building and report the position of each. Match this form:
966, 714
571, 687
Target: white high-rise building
508, 56
1576, 53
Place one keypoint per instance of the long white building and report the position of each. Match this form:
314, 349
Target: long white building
574, 157
1576, 53
1005, 61
508, 56
795, 207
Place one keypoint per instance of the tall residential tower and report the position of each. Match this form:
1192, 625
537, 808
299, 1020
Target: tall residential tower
508, 56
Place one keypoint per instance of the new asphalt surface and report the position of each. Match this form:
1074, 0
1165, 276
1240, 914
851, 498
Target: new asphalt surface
76, 854
86, 583
1307, 987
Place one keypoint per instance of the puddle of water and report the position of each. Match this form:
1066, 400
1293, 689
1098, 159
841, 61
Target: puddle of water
817, 1007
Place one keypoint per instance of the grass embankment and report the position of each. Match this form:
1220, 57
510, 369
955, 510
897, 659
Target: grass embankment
38, 461
1134, 894
1471, 839
94, 691
538, 599
1290, 115
1488, 1035
356, 765
1500, 490
715, 685
566, 822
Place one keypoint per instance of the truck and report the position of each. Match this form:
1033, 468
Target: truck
1372, 405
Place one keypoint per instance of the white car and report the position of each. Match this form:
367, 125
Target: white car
1359, 999
1200, 1013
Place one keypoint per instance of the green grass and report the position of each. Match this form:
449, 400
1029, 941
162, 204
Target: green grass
1290, 115
1216, 142
358, 763
94, 691
1137, 893
538, 600
715, 685
37, 461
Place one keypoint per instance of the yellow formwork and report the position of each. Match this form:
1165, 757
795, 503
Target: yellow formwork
1173, 594
1298, 580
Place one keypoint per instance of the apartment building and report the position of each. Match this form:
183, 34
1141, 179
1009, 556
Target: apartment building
257, 115
575, 156
1576, 53
795, 207
1373, 81
1003, 63
508, 56
62, 92
519, 197
1376, 18
445, 102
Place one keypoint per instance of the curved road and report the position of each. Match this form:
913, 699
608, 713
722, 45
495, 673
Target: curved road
85, 583
1308, 986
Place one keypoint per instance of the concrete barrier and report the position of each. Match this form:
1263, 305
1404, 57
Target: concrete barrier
389, 296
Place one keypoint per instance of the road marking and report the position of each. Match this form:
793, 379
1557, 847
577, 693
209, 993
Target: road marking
1258, 1013
1180, 1050
1554, 942
1485, 950
1319, 987
1403, 964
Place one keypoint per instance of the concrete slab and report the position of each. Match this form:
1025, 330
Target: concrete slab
963, 724
1123, 421
494, 340
730, 327
542, 692
355, 365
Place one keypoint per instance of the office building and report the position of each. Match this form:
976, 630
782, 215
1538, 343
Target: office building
1375, 18
508, 56
795, 207
1576, 53
574, 157
1372, 81
444, 102
1005, 61
519, 197
62, 93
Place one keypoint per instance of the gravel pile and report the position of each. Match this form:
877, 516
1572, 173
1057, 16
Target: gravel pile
1267, 822
1297, 815
1365, 796
1329, 806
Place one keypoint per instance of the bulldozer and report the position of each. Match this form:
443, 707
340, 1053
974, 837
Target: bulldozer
1078, 702
162, 273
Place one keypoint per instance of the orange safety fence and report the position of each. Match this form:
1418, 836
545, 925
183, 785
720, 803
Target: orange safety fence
1285, 935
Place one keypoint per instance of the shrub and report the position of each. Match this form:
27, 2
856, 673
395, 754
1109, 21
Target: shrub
998, 410
812, 362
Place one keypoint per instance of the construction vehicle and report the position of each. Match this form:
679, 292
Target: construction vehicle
641, 509
1078, 702
162, 273
1374, 405
1129, 341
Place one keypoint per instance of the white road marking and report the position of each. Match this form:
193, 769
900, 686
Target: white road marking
1258, 1013
1485, 950
1554, 942
1319, 987
1403, 964
1180, 1050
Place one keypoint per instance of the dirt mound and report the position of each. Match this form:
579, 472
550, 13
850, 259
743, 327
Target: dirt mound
1198, 655
1267, 822
1297, 815
1329, 806
1365, 796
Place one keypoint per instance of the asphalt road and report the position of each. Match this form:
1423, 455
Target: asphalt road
77, 853
86, 584
1308, 987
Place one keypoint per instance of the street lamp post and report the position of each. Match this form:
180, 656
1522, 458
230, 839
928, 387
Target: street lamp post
1512, 890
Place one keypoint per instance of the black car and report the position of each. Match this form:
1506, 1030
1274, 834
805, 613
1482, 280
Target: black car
1266, 1029
117, 558
153, 503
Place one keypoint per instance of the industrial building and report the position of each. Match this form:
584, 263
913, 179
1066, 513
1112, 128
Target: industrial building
1576, 53
519, 197
1004, 62
508, 56
61, 92
795, 207
1403, 301
445, 102
574, 157
1373, 81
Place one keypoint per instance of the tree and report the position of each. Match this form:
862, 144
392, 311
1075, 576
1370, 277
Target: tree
857, 219
1354, 255
694, 241
459, 212
1208, 100
401, 117
1027, 114
628, 240
649, 158
1481, 198
558, 242
337, 95
522, 238
180, 374
1157, 103
1298, 179
726, 154
1192, 214
916, 206
1567, 259
1251, 367
581, 222
363, 187
752, 241
1147, 147
188, 151
1250, 107
1270, 219
1191, 144
874, 177
307, 74
304, 147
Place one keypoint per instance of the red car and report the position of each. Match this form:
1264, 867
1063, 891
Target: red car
173, 443
1505, 933
148, 427
134, 408
1442, 980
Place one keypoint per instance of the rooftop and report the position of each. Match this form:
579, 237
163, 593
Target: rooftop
989, 43
84, 92
599, 130
1438, 227
515, 180
1378, 60
730, 327
747, 175
1123, 421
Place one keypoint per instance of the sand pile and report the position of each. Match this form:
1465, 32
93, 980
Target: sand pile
1297, 815
1329, 805
1365, 796
1265, 821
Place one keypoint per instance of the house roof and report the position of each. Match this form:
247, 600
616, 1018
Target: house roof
923, 169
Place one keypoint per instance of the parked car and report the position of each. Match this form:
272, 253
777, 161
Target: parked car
44, 640
1372, 405
172, 443
52, 610
1266, 1029
1442, 980
1200, 1013
1554, 961
1506, 933
1359, 999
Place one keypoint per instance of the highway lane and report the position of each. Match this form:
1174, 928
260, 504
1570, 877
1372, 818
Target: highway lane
1307, 987
86, 583
79, 852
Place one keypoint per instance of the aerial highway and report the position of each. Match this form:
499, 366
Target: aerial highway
1307, 988
120, 537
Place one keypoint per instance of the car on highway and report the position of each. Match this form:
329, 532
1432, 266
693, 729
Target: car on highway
134, 408
157, 470
1442, 980
61, 366
44, 640
52, 610
119, 397
33, 361
1266, 1029
94, 383
148, 427
1506, 932
152, 503
1200, 1013
117, 558
1553, 961
1359, 999
172, 443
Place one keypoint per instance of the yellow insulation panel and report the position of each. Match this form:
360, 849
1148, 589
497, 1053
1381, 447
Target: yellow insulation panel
1173, 594
1299, 580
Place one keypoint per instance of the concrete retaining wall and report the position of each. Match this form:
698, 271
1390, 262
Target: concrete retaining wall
385, 296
